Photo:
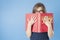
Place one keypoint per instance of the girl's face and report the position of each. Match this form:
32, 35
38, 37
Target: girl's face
39, 10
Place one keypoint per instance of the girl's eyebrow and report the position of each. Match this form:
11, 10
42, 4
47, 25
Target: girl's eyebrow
39, 10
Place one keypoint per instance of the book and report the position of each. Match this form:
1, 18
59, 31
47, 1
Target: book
39, 25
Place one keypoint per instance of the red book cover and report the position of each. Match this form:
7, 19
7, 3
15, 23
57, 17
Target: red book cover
39, 26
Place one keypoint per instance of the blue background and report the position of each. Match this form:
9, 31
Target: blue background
12, 17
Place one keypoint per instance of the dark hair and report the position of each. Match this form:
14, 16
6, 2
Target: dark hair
37, 6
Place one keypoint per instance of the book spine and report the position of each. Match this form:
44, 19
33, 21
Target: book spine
38, 22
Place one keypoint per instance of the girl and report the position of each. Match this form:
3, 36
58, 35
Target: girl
39, 8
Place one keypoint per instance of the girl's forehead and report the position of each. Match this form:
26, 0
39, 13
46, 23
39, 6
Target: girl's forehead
39, 8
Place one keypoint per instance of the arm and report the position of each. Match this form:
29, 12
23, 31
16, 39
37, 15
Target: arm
28, 31
49, 25
50, 31
30, 23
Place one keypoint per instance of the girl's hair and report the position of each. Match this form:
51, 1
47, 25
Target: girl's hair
37, 6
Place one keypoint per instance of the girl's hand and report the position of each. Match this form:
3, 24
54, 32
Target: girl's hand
47, 21
31, 21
